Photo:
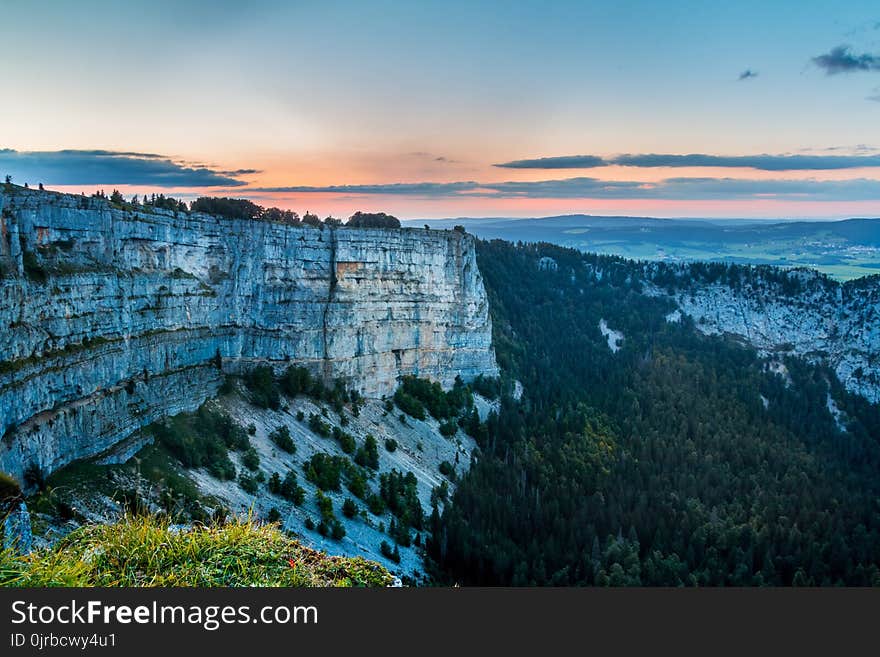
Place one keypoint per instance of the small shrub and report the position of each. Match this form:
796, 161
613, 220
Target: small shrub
248, 483
490, 388
291, 490
223, 469
372, 220
250, 459
357, 484
324, 470
448, 429
439, 494
391, 445
400, 494
202, 439
400, 534
409, 404
264, 390
296, 380
275, 484
274, 515
420, 394
389, 553
325, 505
376, 504
346, 440
281, 437
318, 426
368, 454
349, 508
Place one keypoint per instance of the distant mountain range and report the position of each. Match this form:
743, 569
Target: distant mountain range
843, 249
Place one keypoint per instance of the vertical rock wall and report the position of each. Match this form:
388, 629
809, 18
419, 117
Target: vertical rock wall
113, 318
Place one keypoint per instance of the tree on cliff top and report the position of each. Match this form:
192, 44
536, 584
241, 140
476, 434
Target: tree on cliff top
237, 208
310, 219
373, 220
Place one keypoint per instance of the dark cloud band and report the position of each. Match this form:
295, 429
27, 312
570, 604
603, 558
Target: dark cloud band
563, 162
100, 167
654, 160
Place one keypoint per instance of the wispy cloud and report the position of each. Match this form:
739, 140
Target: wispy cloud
240, 172
748, 74
858, 148
654, 160
761, 162
391, 189
842, 60
432, 157
102, 167
858, 189
594, 188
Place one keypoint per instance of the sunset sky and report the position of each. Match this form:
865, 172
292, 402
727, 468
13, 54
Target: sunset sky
434, 109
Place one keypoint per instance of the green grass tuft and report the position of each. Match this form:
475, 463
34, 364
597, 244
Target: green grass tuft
147, 551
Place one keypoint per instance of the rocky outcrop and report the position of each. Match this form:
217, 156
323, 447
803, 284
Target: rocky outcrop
115, 317
798, 312
17, 535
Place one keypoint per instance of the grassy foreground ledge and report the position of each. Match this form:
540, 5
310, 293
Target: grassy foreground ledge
148, 551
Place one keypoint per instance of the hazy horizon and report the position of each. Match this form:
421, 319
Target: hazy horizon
629, 216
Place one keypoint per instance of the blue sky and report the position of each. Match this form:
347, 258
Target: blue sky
386, 100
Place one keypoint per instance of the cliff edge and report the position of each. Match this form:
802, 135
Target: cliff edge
116, 316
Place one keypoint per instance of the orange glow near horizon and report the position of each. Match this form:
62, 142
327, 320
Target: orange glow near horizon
313, 169
412, 207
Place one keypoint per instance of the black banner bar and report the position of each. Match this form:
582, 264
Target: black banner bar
424, 621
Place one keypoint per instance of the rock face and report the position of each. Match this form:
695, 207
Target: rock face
799, 312
113, 318
17, 534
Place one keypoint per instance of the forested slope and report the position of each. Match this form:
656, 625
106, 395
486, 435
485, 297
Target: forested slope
679, 459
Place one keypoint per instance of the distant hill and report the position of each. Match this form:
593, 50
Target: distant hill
843, 249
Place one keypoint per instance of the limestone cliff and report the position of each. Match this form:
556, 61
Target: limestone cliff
798, 312
115, 317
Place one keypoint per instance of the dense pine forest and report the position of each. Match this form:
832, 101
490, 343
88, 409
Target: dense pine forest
659, 464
